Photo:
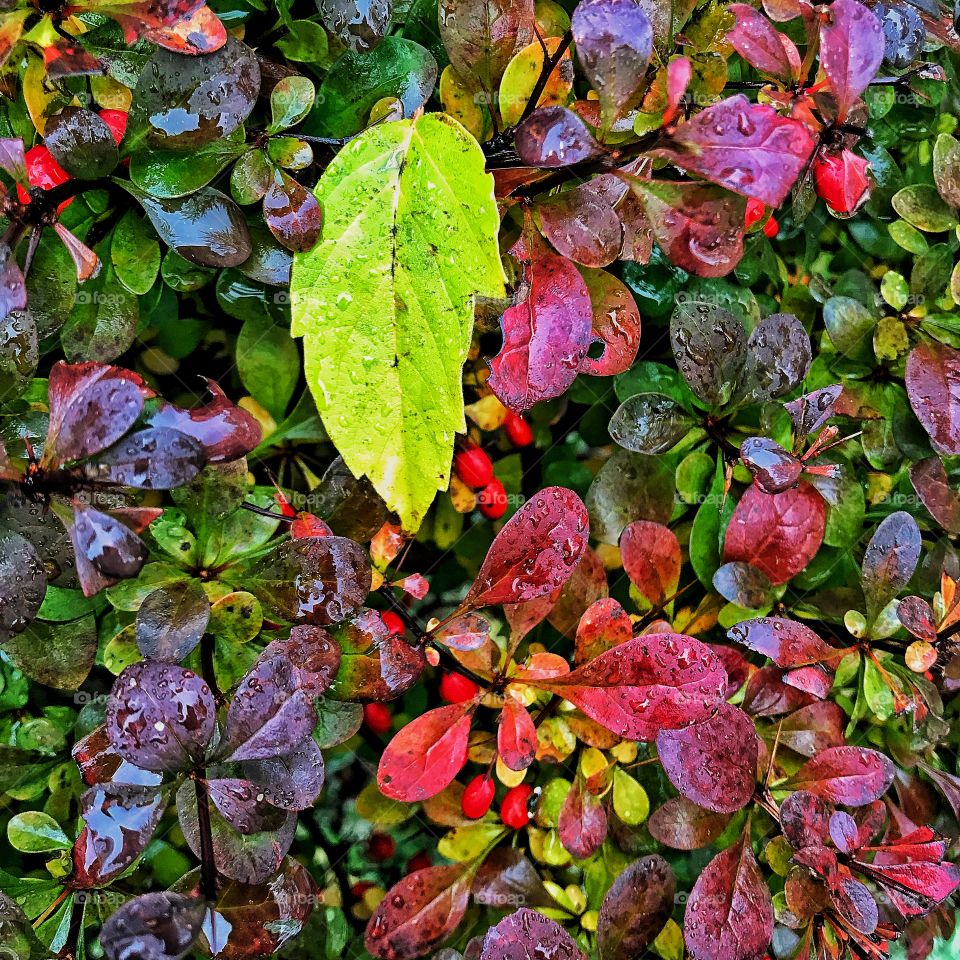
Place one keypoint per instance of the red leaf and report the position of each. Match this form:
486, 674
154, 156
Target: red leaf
517, 735
651, 558
713, 763
854, 776
746, 147
851, 50
930, 481
616, 324
654, 682
780, 533
681, 824
528, 935
426, 754
582, 225
813, 728
605, 624
786, 642
545, 338
536, 551
729, 914
419, 912
933, 386
805, 820
582, 823
762, 46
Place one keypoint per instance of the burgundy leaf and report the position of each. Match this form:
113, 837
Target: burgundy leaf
106, 550
292, 213
746, 147
917, 616
99, 763
853, 901
582, 225
636, 908
889, 560
605, 624
851, 50
291, 781
554, 137
171, 621
777, 533
651, 683
528, 935
507, 876
682, 825
154, 926
815, 727
854, 776
614, 41
160, 716
546, 337
535, 552
933, 386
651, 559
713, 763
729, 914
419, 912
616, 324
805, 820
582, 822
467, 632
150, 459
426, 754
13, 289
933, 487
516, 735
772, 468
762, 46
768, 696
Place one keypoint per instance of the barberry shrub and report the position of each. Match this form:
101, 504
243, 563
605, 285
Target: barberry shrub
479, 479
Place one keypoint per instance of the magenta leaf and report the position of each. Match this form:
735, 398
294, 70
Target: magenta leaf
851, 50
243, 805
746, 147
554, 137
762, 46
650, 683
854, 776
616, 324
582, 224
536, 551
786, 642
154, 926
528, 935
160, 716
636, 908
805, 820
106, 550
546, 337
713, 763
815, 727
729, 914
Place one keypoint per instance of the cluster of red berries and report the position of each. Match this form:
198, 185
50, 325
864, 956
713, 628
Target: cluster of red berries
756, 210
475, 469
514, 808
44, 172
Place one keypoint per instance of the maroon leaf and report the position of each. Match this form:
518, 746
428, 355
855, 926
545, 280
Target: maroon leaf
516, 735
582, 822
506, 876
106, 550
419, 912
100, 763
160, 717
854, 776
683, 825
582, 225
853, 901
729, 914
546, 337
535, 552
614, 41
651, 683
933, 386
554, 137
851, 50
713, 763
426, 754
651, 559
616, 324
154, 926
528, 935
815, 727
917, 616
933, 487
243, 805
635, 909
889, 561
772, 468
777, 533
805, 820
762, 46
291, 781
292, 213
768, 696
171, 621
699, 226
812, 410
746, 147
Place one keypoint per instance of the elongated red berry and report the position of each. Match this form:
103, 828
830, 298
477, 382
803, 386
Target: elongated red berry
513, 807
378, 718
517, 430
456, 688
754, 214
394, 623
841, 180
473, 466
492, 500
116, 120
477, 796
771, 228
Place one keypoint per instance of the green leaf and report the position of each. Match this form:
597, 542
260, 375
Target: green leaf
172, 173
36, 832
268, 363
135, 253
385, 302
290, 101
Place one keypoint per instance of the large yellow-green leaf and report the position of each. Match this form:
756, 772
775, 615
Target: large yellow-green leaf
385, 301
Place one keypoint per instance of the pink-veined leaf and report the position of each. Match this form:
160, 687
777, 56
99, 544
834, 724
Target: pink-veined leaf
651, 559
536, 551
426, 754
653, 682
516, 735
854, 776
851, 50
780, 533
746, 147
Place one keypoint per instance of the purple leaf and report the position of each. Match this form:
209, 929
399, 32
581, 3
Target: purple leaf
812, 410
155, 926
13, 289
106, 549
762, 46
889, 560
851, 50
160, 717
156, 458
635, 909
778, 357
244, 805
553, 137
933, 487
291, 781
582, 822
528, 935
932, 378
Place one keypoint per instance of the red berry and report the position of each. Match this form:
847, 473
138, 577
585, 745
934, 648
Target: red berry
116, 120
492, 500
44, 172
513, 807
456, 688
771, 228
360, 888
517, 430
755, 211
841, 180
473, 466
381, 846
394, 623
477, 796
419, 861
377, 717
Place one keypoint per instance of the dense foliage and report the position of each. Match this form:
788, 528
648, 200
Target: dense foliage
479, 479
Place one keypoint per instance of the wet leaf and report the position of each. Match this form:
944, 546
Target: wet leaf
616, 324
553, 137
516, 735
582, 823
651, 559
762, 46
681, 824
854, 776
158, 926
358, 24
156, 458
931, 380
889, 560
710, 348
81, 143
650, 423
930, 481
851, 50
23, 584
636, 908
526, 935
